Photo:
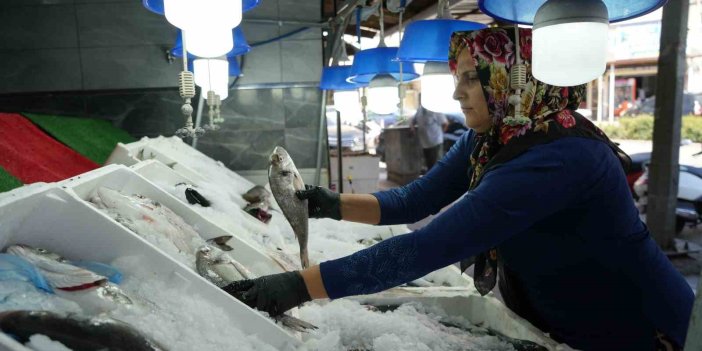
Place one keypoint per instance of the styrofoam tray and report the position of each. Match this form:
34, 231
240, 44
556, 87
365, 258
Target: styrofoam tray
125, 180
484, 311
58, 220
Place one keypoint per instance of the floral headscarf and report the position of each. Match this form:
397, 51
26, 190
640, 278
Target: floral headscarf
548, 113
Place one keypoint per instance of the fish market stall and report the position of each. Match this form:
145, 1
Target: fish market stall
160, 299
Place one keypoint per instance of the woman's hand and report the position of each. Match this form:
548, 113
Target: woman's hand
321, 202
273, 294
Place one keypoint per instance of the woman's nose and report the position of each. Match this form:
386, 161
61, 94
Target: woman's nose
458, 93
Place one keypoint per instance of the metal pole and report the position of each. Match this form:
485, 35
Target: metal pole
664, 169
589, 97
338, 150
600, 99
320, 139
612, 78
694, 331
198, 118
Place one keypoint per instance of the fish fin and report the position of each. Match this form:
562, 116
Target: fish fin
295, 323
221, 242
298, 183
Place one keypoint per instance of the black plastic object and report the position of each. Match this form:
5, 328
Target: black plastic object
196, 198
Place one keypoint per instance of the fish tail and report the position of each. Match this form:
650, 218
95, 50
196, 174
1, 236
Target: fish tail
304, 258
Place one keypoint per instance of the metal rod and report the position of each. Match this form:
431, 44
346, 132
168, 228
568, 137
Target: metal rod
198, 118
338, 151
612, 78
287, 22
320, 138
600, 98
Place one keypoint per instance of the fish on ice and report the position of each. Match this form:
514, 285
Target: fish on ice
257, 194
284, 181
221, 270
90, 290
76, 333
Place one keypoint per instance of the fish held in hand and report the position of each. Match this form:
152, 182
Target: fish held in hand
284, 181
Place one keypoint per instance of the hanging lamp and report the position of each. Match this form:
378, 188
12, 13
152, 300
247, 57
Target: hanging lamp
427, 41
156, 6
345, 95
381, 60
206, 24
241, 46
564, 29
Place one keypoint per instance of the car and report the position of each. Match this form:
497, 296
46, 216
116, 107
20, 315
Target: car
691, 106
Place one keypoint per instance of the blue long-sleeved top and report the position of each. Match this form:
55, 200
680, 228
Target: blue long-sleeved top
564, 223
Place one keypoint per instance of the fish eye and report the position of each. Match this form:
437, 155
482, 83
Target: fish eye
42, 250
284, 173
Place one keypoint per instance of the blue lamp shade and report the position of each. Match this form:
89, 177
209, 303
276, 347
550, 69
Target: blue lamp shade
234, 68
156, 6
240, 45
335, 78
371, 62
523, 11
428, 40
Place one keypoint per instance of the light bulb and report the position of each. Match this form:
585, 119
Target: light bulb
347, 102
383, 94
569, 44
437, 88
212, 74
208, 42
199, 14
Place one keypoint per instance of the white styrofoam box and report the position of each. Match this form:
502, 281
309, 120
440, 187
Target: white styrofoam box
59, 221
125, 180
122, 154
356, 186
485, 311
360, 167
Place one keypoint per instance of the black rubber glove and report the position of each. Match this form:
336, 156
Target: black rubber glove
274, 294
321, 202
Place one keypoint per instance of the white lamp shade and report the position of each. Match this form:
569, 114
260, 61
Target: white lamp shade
212, 74
199, 14
569, 54
437, 88
383, 95
209, 42
347, 102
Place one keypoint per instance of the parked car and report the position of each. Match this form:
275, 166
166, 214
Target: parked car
351, 135
691, 106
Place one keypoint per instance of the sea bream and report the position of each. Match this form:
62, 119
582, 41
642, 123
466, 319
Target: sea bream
221, 270
92, 291
284, 181
76, 333
131, 210
257, 194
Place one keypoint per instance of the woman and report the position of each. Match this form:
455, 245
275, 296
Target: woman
544, 204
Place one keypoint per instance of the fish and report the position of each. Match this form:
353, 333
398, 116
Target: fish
91, 290
76, 333
221, 270
285, 180
129, 210
257, 194
195, 197
259, 210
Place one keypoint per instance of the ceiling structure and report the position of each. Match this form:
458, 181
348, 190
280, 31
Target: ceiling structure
466, 10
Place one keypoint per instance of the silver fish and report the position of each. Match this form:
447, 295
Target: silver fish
285, 180
72, 282
77, 333
257, 194
221, 270
216, 266
129, 210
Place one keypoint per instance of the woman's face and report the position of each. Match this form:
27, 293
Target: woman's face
469, 93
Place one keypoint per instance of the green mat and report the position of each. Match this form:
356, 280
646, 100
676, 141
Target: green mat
7, 181
92, 138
